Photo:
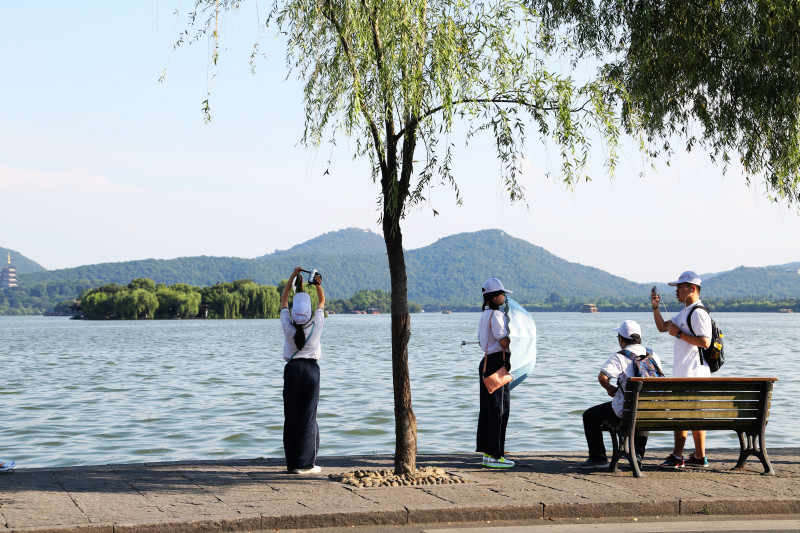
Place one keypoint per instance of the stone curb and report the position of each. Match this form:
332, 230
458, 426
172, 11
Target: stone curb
429, 516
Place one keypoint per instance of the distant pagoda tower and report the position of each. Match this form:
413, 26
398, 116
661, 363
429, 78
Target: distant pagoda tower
8, 276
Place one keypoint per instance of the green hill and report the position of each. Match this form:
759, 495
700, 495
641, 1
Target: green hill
773, 282
341, 242
453, 270
20, 262
449, 272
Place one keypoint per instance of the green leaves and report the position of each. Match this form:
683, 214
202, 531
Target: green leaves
721, 74
397, 76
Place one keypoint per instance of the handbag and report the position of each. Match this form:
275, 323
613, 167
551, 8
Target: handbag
502, 376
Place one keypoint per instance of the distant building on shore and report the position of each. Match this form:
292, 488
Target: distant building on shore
589, 308
8, 276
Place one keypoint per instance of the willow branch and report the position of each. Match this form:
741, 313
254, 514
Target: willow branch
354, 69
416, 120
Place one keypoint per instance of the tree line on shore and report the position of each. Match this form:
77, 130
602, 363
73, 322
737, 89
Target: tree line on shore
142, 298
244, 298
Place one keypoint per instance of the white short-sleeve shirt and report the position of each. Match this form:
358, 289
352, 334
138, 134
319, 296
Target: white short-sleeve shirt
621, 367
686, 362
313, 347
497, 321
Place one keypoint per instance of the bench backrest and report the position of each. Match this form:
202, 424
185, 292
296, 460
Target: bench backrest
698, 403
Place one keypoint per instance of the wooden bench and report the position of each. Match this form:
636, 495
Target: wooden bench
672, 404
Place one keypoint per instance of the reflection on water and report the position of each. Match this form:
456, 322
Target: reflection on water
79, 392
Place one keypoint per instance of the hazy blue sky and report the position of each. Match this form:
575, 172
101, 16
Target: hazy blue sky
99, 162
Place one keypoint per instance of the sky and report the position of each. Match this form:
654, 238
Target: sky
101, 162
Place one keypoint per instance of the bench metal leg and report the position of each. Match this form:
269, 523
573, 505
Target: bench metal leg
624, 449
615, 455
630, 451
753, 445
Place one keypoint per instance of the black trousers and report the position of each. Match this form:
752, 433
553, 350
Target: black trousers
494, 409
593, 418
300, 399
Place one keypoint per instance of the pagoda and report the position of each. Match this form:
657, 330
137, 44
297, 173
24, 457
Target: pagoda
8, 276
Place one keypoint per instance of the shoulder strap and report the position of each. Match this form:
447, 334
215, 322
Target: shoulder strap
689, 323
307, 337
627, 353
689, 316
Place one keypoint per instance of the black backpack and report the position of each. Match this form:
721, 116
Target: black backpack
644, 366
714, 355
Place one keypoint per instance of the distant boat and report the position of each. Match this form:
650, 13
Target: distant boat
589, 308
447, 312
785, 310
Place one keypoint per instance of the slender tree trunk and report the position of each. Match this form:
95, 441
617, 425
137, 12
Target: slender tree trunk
405, 423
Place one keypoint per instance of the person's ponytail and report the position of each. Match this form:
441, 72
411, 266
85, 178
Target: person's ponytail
299, 337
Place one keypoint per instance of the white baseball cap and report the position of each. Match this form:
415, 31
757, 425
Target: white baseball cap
629, 328
687, 277
301, 308
494, 285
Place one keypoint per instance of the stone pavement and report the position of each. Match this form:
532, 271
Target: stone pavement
258, 494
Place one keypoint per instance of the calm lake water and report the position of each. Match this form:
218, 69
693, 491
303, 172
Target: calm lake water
80, 392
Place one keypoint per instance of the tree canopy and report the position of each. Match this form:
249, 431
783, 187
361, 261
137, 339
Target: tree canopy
720, 74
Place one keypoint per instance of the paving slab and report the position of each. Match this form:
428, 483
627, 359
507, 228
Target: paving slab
258, 494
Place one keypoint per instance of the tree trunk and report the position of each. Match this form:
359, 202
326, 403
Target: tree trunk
405, 423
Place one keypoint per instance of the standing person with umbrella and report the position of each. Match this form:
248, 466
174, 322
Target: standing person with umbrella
493, 338
301, 351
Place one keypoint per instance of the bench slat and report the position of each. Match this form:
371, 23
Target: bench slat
645, 405
721, 395
674, 425
708, 380
698, 414
697, 386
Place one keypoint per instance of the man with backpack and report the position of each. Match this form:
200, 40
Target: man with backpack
692, 330
633, 360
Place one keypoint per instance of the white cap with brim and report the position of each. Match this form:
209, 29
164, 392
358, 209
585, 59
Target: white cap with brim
301, 308
686, 277
494, 285
629, 328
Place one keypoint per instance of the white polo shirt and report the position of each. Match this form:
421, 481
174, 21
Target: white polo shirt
621, 367
499, 330
312, 348
686, 361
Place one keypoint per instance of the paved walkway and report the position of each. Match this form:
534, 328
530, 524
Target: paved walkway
247, 495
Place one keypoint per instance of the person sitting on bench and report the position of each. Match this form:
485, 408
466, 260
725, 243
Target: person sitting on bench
621, 366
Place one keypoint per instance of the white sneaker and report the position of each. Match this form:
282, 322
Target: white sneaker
502, 462
313, 470
485, 459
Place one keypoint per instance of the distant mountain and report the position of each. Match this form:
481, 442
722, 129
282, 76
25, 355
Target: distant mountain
20, 262
772, 282
453, 270
341, 242
449, 271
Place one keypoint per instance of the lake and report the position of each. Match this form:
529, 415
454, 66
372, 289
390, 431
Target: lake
83, 392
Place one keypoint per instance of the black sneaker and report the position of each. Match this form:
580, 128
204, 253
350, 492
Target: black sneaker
672, 463
588, 464
696, 462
